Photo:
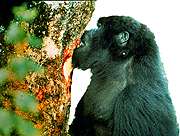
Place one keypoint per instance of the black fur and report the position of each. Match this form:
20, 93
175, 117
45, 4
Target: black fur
128, 94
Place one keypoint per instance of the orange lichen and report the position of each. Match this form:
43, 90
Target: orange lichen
38, 125
19, 85
67, 66
41, 106
7, 104
67, 61
40, 95
25, 115
20, 48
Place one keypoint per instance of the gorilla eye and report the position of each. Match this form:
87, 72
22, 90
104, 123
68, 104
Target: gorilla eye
124, 53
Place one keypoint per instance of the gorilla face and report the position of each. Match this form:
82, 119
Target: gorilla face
103, 48
100, 55
90, 54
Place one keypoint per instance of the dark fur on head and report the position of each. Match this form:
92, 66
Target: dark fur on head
128, 94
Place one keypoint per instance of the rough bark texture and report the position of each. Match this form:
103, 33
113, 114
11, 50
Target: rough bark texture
60, 27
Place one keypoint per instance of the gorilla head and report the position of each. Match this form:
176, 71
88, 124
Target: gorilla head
128, 94
115, 47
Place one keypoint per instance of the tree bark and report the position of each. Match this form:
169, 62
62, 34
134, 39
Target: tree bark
60, 25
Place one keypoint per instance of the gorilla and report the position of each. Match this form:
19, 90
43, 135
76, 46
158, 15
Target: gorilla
128, 93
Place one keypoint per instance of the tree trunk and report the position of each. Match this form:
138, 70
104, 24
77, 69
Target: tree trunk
60, 25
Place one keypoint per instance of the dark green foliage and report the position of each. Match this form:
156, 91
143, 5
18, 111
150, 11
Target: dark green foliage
10, 121
24, 14
22, 66
18, 67
15, 34
7, 122
3, 76
26, 102
35, 42
25, 128
6, 7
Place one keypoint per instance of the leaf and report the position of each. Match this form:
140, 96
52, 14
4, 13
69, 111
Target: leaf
26, 102
3, 75
34, 42
22, 66
6, 120
26, 128
24, 14
19, 67
33, 66
9, 121
14, 34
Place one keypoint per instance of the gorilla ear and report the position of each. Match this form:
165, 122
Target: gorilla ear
122, 38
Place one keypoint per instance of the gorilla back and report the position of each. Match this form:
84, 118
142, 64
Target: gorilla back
128, 94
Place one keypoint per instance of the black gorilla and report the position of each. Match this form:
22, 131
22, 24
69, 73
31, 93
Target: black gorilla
128, 94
